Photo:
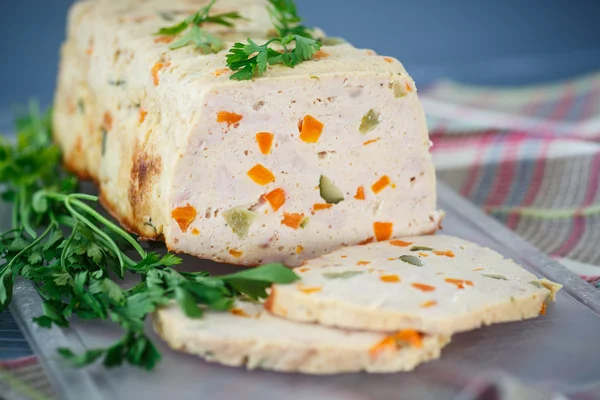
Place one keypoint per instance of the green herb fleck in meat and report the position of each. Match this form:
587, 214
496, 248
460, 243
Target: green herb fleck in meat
416, 261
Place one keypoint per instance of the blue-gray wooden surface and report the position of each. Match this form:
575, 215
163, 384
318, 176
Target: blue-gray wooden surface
509, 42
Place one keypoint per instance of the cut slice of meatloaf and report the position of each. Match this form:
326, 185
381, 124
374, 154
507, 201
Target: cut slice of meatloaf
434, 284
284, 167
249, 336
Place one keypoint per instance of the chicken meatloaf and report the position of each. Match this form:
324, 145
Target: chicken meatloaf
284, 167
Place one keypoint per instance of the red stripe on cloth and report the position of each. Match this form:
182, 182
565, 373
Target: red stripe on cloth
505, 173
534, 186
486, 140
19, 363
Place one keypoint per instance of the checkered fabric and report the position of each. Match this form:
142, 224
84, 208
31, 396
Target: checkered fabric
528, 156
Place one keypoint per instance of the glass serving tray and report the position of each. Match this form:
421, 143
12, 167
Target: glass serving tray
558, 352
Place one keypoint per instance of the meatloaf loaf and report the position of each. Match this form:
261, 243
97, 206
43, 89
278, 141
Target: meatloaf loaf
284, 167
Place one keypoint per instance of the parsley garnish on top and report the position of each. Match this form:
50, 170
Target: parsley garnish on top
251, 60
196, 36
76, 258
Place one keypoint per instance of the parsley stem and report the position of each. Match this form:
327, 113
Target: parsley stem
96, 230
107, 223
31, 245
15, 214
25, 212
63, 253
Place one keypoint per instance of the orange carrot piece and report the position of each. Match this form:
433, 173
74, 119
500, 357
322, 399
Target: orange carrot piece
299, 249
396, 340
388, 59
360, 193
408, 87
366, 241
195, 231
400, 243
309, 290
310, 129
239, 312
423, 287
390, 278
156, 69
370, 141
320, 54
383, 230
265, 141
423, 254
229, 117
460, 283
261, 175
304, 269
163, 39
429, 303
184, 216
321, 206
362, 262
380, 184
292, 220
221, 71
276, 198
447, 253
236, 253
543, 309
107, 121
142, 115
478, 269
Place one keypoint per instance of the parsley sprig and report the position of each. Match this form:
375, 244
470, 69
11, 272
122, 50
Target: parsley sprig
286, 20
251, 60
71, 253
196, 36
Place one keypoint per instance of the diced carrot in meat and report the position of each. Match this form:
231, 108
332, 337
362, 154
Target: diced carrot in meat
299, 249
293, 220
156, 69
366, 241
195, 231
428, 304
229, 117
423, 254
543, 309
276, 198
310, 129
142, 115
265, 141
370, 141
460, 283
309, 290
383, 230
447, 253
360, 193
423, 287
362, 262
320, 206
107, 121
320, 54
221, 71
239, 312
261, 175
163, 39
400, 243
397, 340
390, 278
184, 216
236, 253
388, 59
408, 87
304, 269
380, 184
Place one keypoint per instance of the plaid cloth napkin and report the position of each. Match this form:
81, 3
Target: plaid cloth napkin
529, 156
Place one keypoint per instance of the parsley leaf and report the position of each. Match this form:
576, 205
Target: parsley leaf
286, 20
196, 36
250, 60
